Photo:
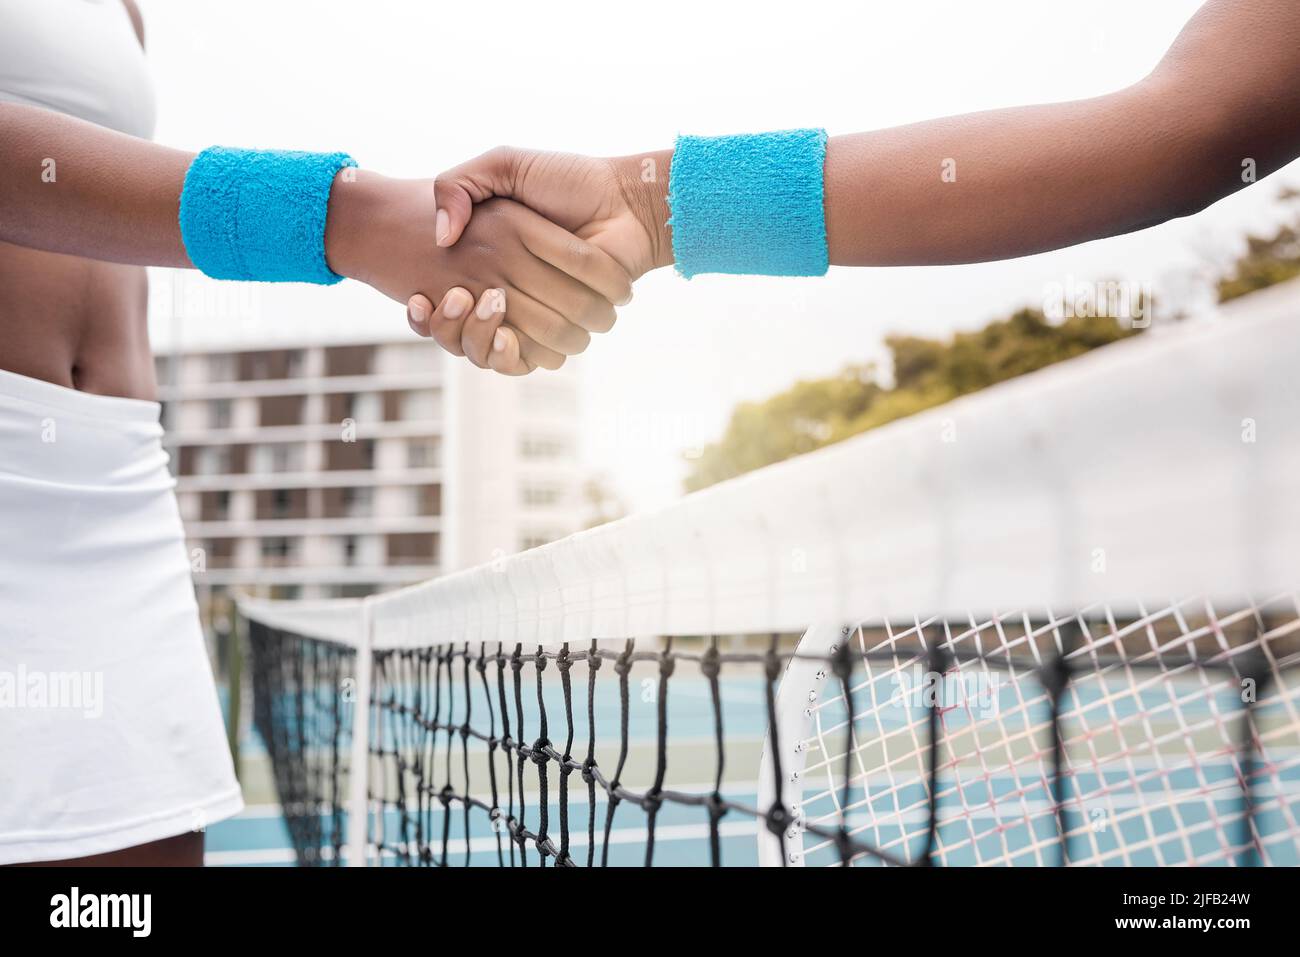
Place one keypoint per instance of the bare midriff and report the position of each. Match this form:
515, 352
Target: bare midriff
75, 322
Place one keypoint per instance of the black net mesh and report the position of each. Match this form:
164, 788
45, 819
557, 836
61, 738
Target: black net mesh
302, 694
1164, 737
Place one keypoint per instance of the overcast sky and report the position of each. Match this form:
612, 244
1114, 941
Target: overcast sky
411, 88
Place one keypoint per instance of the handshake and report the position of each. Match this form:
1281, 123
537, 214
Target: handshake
525, 253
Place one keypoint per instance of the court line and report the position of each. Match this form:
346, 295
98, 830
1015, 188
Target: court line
488, 844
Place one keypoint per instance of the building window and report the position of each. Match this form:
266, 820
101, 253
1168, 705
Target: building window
218, 552
542, 447
277, 549
348, 360
281, 410
350, 456
281, 502
536, 540
412, 548
422, 453
220, 414
358, 501
540, 395
279, 457
349, 550
222, 368
540, 496
419, 406
212, 460
425, 500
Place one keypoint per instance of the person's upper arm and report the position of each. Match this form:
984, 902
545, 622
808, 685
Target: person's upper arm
1234, 71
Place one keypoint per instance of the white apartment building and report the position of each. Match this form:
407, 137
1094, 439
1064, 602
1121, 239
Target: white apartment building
309, 470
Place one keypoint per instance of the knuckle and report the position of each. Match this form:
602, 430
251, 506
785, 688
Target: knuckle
579, 339
567, 337
541, 356
552, 363
601, 317
578, 250
591, 312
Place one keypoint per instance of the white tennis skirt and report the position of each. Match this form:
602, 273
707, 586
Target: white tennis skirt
110, 729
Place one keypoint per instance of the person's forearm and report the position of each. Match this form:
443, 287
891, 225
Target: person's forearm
1011, 182
1217, 114
77, 188
72, 187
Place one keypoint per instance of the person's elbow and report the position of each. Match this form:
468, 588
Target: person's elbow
1210, 145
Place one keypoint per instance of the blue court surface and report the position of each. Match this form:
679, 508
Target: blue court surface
1007, 817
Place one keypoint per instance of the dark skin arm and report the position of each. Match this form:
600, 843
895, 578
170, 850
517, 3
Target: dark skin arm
1027, 179
1036, 178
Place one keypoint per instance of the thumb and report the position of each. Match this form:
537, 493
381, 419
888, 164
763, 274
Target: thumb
454, 209
456, 191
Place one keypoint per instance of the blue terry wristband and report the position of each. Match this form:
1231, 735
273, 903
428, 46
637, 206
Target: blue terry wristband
259, 214
749, 204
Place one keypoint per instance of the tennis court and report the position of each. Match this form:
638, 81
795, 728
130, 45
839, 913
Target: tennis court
1052, 623
260, 837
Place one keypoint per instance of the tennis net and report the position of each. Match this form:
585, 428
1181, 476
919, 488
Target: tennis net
1053, 623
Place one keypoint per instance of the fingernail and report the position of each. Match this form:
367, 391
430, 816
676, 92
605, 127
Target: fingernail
499, 341
455, 306
442, 227
491, 303
415, 315
625, 300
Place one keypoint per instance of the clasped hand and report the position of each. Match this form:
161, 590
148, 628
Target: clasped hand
518, 285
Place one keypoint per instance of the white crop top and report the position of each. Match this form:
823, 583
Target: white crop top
79, 57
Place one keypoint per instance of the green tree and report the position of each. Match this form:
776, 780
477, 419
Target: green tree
1267, 261
927, 372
